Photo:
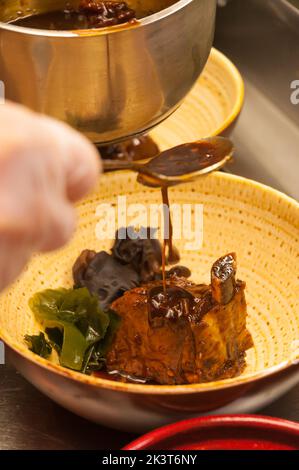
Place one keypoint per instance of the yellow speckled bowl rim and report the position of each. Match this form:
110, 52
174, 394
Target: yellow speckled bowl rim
236, 77
169, 389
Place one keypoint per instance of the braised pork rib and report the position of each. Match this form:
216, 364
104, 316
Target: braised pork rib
187, 334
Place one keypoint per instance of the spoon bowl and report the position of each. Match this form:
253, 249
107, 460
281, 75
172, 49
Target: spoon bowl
180, 164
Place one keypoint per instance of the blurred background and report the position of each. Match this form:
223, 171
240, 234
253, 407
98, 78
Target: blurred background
262, 38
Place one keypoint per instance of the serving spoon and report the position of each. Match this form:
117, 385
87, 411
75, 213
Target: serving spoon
180, 164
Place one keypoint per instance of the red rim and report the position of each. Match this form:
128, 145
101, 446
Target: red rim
279, 433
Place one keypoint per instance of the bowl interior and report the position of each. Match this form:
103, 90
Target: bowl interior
260, 224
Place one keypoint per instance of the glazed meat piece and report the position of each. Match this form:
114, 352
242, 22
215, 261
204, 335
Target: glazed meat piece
190, 334
223, 281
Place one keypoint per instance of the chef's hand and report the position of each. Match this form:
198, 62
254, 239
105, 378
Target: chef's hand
45, 166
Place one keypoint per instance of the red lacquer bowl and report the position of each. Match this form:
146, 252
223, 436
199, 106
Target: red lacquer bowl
229, 432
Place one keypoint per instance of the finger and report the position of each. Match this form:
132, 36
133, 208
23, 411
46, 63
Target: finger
14, 254
83, 168
81, 160
57, 227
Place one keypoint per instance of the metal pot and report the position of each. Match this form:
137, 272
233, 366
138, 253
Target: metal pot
109, 84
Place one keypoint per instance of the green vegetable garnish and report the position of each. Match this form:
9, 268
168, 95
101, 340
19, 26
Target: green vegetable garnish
39, 345
95, 357
55, 336
74, 323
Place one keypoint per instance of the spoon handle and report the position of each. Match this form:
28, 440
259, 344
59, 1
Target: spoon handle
110, 165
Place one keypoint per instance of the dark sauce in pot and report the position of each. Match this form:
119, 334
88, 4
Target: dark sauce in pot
92, 14
89, 15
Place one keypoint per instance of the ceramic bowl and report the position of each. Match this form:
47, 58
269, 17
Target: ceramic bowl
228, 432
212, 107
259, 223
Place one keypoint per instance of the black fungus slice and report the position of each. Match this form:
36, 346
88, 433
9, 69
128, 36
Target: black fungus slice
107, 278
80, 266
144, 254
179, 271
